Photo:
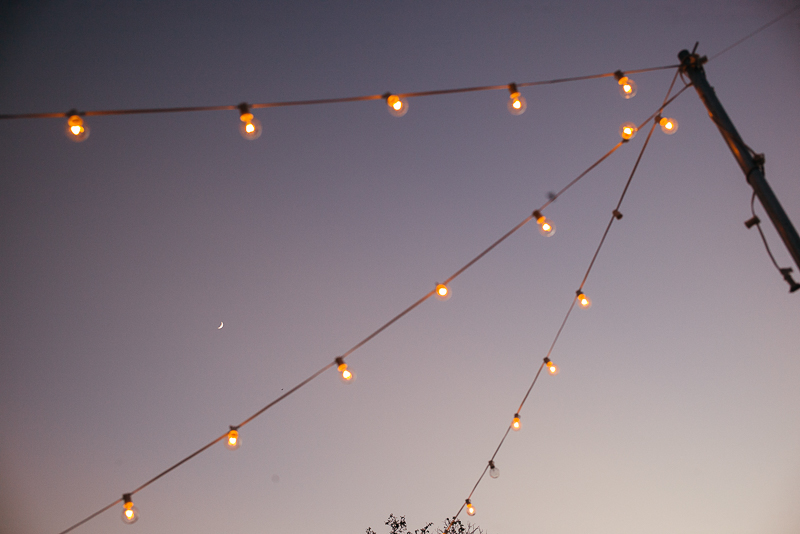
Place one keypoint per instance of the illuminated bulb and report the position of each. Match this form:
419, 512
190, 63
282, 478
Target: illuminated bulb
551, 367
470, 508
233, 440
516, 102
347, 374
627, 87
397, 106
76, 130
442, 292
516, 424
250, 127
494, 472
668, 126
584, 301
628, 130
130, 514
546, 226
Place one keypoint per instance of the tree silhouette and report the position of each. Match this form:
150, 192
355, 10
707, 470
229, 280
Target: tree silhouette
398, 525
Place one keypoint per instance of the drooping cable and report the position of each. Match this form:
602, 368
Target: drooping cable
786, 272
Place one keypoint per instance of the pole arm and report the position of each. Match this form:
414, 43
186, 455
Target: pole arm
752, 165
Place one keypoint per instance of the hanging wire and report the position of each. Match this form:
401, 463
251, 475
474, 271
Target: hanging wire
317, 101
759, 30
786, 272
667, 101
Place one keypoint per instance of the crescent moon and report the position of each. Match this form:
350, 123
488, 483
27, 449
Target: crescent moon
221, 324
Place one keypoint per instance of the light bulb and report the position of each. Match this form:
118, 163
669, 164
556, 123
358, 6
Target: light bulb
250, 127
397, 106
76, 130
233, 441
628, 130
130, 514
668, 125
516, 424
551, 367
627, 87
546, 226
516, 102
583, 301
346, 374
494, 472
442, 292
470, 508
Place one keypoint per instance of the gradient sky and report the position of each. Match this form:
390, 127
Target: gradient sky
677, 405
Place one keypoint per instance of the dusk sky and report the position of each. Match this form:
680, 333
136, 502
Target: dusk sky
677, 405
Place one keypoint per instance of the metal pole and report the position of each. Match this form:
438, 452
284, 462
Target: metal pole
692, 66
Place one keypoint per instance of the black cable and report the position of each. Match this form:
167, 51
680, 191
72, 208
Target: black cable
758, 227
759, 30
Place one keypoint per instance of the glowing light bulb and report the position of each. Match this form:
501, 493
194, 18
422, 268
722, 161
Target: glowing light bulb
516, 102
250, 127
551, 367
516, 424
233, 441
442, 292
397, 106
583, 301
130, 514
546, 226
76, 130
627, 87
668, 126
470, 508
494, 472
628, 130
346, 374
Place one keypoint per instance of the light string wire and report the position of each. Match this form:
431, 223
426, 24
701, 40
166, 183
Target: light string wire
185, 109
654, 118
759, 30
366, 339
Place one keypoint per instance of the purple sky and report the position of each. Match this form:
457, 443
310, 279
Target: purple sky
677, 404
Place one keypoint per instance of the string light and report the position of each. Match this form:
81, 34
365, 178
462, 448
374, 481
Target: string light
233, 442
397, 106
470, 508
546, 226
76, 130
250, 127
551, 367
668, 125
494, 472
516, 102
583, 301
627, 87
628, 130
442, 292
346, 374
130, 514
